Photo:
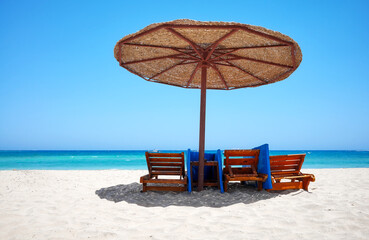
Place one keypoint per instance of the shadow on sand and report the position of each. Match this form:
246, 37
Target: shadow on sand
237, 193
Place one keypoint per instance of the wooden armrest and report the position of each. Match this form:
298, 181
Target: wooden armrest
310, 175
264, 176
145, 177
245, 175
294, 177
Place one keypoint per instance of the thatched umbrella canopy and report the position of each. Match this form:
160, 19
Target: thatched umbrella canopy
208, 55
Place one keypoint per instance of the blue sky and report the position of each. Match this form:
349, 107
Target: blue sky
61, 88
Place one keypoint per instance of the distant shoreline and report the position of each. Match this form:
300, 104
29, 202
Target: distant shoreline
135, 159
165, 150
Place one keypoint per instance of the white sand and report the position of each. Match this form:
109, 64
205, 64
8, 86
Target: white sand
65, 205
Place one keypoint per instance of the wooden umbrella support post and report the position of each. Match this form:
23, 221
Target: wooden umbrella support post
200, 178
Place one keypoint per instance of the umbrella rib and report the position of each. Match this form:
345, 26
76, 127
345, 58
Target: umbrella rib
252, 47
152, 59
188, 54
237, 57
173, 66
186, 58
192, 62
235, 66
216, 43
154, 46
224, 54
240, 48
243, 70
193, 74
223, 64
193, 45
247, 29
220, 75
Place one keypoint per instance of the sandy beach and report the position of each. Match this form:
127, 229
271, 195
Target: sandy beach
108, 204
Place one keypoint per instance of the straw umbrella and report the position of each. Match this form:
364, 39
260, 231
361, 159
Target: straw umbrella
208, 55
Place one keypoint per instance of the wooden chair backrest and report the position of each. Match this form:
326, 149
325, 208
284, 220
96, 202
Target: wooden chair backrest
241, 157
165, 164
286, 164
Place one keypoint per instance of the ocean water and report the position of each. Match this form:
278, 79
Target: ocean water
89, 160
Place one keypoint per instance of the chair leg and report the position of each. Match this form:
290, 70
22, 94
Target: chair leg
305, 184
144, 187
225, 186
260, 186
217, 175
191, 177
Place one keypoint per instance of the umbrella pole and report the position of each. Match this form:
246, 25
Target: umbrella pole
202, 128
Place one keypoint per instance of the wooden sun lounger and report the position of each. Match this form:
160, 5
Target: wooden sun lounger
241, 165
286, 172
164, 164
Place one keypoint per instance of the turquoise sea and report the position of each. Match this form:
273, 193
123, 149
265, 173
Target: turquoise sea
74, 160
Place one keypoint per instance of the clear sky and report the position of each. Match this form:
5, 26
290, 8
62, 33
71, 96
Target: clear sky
61, 87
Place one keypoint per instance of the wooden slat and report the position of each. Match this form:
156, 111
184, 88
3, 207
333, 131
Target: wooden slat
284, 173
245, 175
166, 173
241, 161
279, 163
166, 159
239, 170
170, 170
166, 168
174, 164
247, 152
287, 157
169, 181
165, 154
284, 167
279, 159
292, 177
258, 178
287, 162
